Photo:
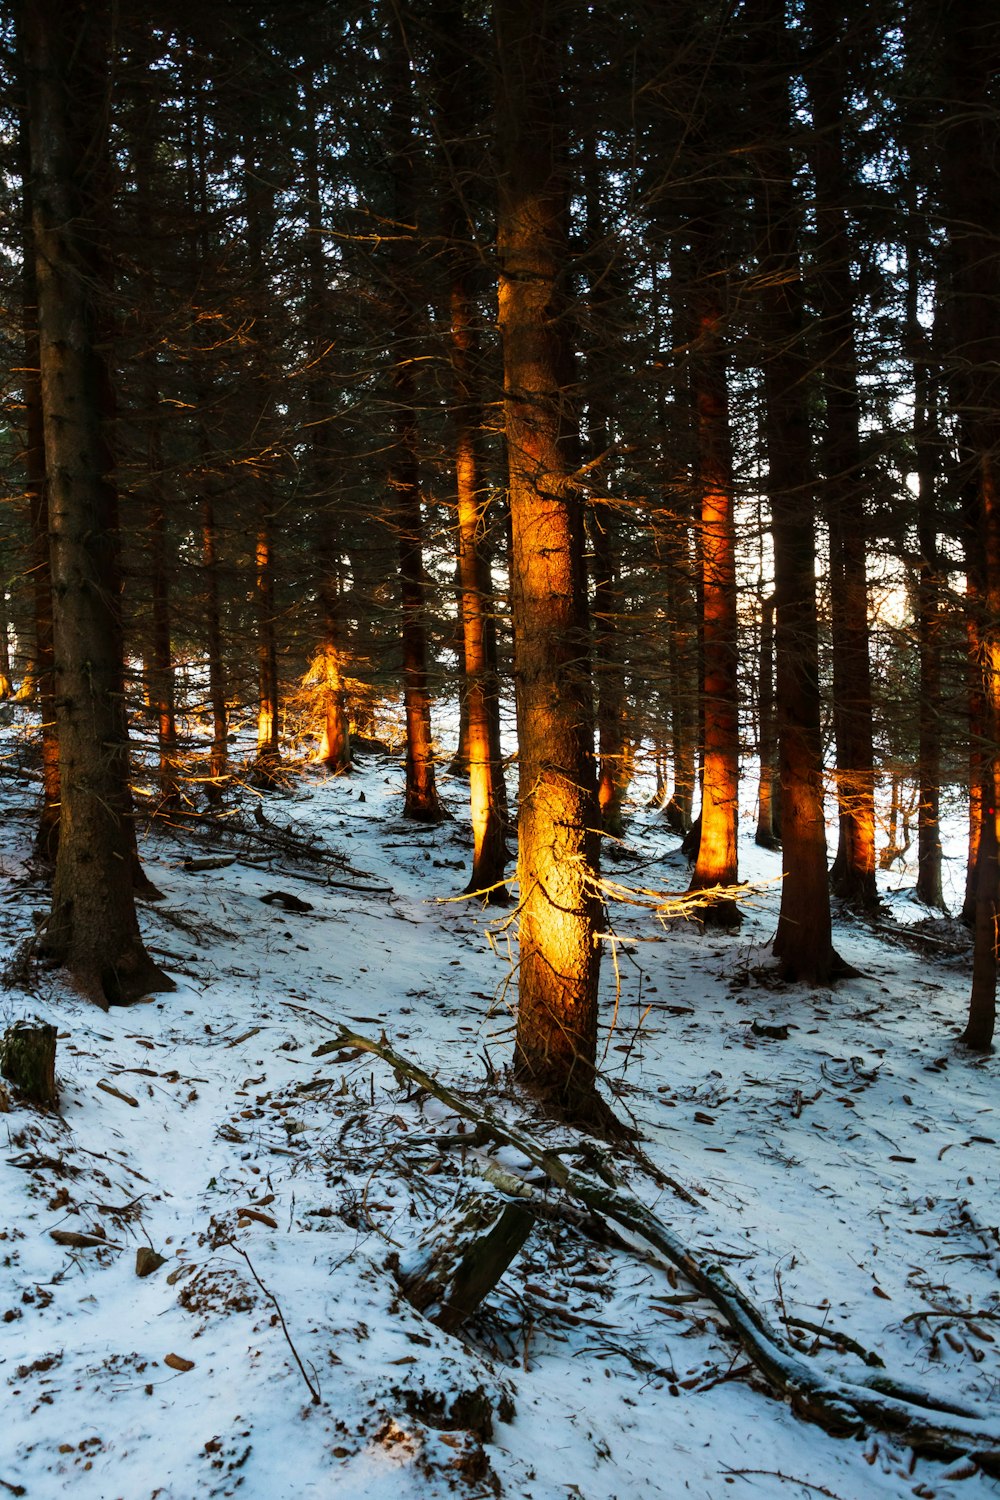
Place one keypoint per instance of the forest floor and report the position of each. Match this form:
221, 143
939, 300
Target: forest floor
837, 1148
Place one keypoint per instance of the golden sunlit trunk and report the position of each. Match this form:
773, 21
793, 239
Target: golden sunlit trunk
717, 859
267, 653
559, 907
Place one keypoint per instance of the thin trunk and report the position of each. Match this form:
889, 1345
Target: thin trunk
559, 905
842, 490
768, 833
328, 670
421, 799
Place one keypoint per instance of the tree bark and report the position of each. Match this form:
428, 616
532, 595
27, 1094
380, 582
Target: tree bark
421, 801
92, 929
558, 815
717, 863
804, 942
842, 490
480, 736
971, 186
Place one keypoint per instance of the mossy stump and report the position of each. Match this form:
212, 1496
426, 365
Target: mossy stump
28, 1060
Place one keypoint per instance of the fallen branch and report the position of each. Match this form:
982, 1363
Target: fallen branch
313, 1389
928, 1422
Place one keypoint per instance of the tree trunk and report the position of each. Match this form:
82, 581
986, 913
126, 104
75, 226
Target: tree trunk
971, 187
47, 836
803, 943
853, 873
559, 904
480, 737
768, 829
92, 929
335, 749
421, 799
717, 857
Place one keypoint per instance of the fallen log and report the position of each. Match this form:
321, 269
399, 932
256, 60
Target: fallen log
928, 1422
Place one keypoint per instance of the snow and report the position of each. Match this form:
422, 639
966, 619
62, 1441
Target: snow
844, 1173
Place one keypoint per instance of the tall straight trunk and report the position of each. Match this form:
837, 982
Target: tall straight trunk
559, 905
804, 941
717, 858
971, 191
259, 204
603, 361
328, 669
975, 700
160, 675
768, 811
92, 929
929, 621
842, 490
47, 835
196, 147
672, 539
421, 799
480, 738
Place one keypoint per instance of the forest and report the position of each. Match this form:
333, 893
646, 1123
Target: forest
590, 412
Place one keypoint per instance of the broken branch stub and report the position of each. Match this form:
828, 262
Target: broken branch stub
463, 1256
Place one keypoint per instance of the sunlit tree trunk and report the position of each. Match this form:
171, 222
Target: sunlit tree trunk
803, 943
717, 857
558, 815
92, 929
259, 204
328, 668
971, 190
842, 490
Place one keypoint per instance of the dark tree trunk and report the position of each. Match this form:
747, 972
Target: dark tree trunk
842, 491
768, 811
93, 929
479, 741
47, 837
559, 905
804, 942
421, 798
971, 189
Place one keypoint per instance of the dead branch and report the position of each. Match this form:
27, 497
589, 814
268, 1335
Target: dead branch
928, 1422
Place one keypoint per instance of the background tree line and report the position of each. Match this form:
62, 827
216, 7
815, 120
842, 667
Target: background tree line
644, 358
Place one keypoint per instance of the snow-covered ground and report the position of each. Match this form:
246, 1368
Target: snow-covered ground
844, 1170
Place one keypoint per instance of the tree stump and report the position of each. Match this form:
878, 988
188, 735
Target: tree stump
462, 1257
28, 1060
